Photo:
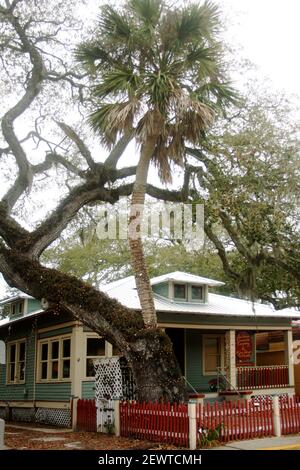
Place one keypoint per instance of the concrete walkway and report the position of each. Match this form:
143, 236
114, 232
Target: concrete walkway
46, 430
267, 443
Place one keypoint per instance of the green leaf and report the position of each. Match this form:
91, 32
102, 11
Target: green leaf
148, 11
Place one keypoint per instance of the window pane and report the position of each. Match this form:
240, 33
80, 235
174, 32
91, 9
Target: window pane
211, 363
90, 370
95, 347
66, 348
45, 352
66, 368
212, 354
197, 293
179, 291
12, 372
211, 346
44, 370
20, 307
54, 373
22, 371
55, 348
12, 353
22, 352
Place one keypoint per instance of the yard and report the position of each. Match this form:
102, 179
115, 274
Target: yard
26, 437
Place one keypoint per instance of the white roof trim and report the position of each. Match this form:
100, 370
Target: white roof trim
179, 276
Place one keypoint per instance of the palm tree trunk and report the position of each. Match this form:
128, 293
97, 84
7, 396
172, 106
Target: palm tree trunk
138, 260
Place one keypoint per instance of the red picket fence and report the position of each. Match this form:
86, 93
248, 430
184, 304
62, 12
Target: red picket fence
155, 422
290, 414
237, 420
86, 416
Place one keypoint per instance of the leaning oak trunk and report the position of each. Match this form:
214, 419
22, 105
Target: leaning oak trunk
155, 368
148, 351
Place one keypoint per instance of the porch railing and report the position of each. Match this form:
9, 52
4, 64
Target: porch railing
262, 377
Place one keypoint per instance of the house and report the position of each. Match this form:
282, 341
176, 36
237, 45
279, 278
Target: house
47, 358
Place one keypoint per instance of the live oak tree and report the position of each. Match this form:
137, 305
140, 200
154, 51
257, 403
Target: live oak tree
40, 87
249, 183
47, 163
159, 74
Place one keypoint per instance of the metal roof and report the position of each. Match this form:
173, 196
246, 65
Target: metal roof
125, 292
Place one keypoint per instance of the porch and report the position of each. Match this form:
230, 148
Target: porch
218, 361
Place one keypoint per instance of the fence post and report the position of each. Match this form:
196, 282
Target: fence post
276, 417
74, 413
192, 414
117, 417
1, 433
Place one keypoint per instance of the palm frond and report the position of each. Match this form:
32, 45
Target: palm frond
218, 94
148, 11
112, 119
195, 22
117, 80
203, 58
161, 87
114, 24
92, 55
152, 124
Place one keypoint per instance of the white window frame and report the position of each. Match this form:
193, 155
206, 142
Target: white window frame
221, 339
108, 353
190, 298
188, 293
60, 359
17, 362
177, 299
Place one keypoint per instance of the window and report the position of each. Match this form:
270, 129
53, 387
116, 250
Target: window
180, 291
16, 308
55, 359
212, 354
95, 348
16, 355
197, 292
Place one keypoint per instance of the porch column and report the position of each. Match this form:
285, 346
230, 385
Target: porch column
77, 368
288, 352
230, 364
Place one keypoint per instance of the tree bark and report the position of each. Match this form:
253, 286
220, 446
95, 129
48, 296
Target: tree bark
138, 260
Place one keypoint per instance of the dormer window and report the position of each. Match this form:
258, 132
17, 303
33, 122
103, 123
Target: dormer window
180, 292
188, 292
196, 292
16, 308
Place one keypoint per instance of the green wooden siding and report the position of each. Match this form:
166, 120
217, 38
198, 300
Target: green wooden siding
20, 391
59, 391
194, 366
88, 389
162, 289
58, 332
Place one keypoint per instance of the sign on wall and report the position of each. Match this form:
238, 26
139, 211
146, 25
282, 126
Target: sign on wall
244, 349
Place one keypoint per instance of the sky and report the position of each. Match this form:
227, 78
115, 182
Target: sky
269, 34
266, 32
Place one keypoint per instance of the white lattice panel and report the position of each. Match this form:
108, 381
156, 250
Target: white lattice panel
55, 416
108, 378
22, 414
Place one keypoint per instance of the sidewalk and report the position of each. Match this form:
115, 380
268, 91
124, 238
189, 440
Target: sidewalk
267, 443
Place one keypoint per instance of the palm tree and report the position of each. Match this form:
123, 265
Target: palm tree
160, 78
